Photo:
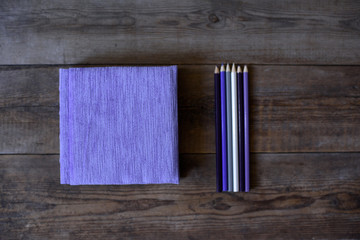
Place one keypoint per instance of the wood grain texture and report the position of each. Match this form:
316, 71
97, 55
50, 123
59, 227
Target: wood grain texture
305, 196
304, 96
179, 32
293, 109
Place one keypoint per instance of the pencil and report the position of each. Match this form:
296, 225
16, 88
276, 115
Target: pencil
235, 142
246, 130
218, 128
223, 128
241, 129
229, 128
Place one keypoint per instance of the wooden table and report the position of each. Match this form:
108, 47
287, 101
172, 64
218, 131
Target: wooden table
304, 63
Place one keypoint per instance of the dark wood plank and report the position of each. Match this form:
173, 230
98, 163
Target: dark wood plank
293, 109
29, 119
179, 32
293, 196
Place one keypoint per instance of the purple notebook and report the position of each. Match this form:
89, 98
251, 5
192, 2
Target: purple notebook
118, 125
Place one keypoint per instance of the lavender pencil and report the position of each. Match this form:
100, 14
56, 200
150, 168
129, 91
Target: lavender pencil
241, 129
246, 130
218, 128
223, 128
229, 128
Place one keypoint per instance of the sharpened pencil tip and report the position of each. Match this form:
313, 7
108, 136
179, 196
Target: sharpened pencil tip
239, 69
245, 69
222, 68
216, 69
227, 67
233, 68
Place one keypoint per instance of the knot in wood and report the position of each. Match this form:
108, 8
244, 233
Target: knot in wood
213, 18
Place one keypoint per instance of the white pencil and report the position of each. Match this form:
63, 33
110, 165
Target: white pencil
235, 143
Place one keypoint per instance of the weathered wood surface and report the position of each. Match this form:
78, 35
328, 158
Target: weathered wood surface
294, 196
293, 109
179, 32
305, 117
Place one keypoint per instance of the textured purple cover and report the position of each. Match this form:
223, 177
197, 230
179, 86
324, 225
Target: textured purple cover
118, 125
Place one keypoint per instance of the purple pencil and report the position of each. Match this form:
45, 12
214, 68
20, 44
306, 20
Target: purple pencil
218, 129
241, 129
246, 130
223, 128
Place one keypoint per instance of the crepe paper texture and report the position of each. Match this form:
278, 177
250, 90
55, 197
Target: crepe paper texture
118, 125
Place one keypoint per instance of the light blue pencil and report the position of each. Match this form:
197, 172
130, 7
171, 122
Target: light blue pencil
229, 128
235, 130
